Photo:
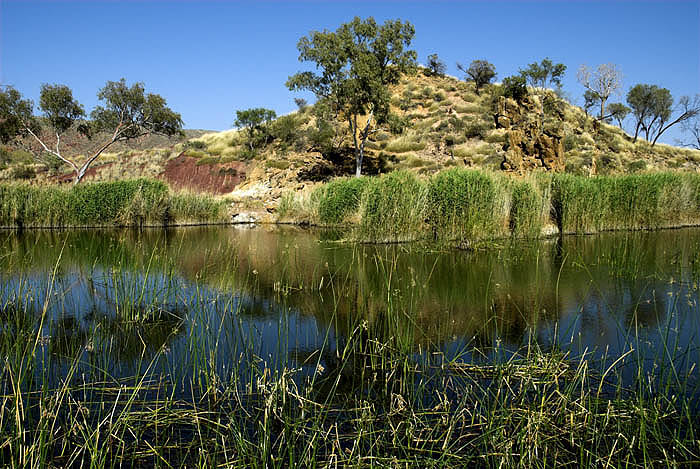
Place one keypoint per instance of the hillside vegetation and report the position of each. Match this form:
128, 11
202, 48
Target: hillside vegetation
435, 122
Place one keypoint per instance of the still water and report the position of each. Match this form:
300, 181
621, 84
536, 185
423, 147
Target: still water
118, 304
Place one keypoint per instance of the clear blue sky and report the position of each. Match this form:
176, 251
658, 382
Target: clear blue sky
210, 58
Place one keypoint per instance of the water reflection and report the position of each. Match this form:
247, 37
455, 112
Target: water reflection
172, 300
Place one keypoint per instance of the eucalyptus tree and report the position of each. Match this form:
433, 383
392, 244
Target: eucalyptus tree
354, 65
545, 74
126, 113
692, 126
618, 112
436, 66
480, 72
255, 122
602, 82
653, 110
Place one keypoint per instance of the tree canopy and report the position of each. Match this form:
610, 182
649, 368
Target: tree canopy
480, 72
354, 66
16, 115
546, 74
254, 120
618, 112
514, 87
652, 108
436, 66
127, 112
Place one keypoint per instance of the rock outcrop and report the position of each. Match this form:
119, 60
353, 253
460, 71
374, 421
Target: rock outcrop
528, 146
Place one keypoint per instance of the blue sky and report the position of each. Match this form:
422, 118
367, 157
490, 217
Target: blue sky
210, 58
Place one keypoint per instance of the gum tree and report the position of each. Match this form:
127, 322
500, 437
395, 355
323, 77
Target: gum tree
544, 74
126, 113
692, 126
653, 110
354, 66
480, 72
436, 66
255, 122
600, 83
618, 111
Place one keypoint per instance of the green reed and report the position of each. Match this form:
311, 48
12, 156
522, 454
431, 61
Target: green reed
461, 205
135, 202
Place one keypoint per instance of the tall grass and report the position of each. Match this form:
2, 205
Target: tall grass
644, 201
469, 205
339, 198
135, 202
392, 208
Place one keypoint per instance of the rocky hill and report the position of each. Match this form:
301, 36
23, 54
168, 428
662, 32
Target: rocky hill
437, 122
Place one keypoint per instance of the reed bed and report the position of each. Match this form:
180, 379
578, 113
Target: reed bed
462, 206
135, 202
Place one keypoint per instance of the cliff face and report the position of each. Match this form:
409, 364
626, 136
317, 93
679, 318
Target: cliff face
529, 146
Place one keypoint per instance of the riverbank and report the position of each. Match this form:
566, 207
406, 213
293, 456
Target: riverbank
462, 206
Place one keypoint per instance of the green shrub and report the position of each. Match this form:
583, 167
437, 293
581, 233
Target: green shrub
397, 124
277, 164
403, 145
196, 153
476, 128
208, 160
22, 171
514, 87
196, 145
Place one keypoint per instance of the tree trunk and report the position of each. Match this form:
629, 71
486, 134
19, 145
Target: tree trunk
358, 157
80, 173
636, 131
360, 146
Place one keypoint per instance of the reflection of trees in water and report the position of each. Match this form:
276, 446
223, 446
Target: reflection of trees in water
127, 340
68, 337
430, 296
106, 338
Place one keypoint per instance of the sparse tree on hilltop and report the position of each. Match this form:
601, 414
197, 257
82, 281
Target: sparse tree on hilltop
514, 87
355, 65
480, 72
652, 108
546, 74
254, 121
301, 103
618, 111
692, 126
127, 113
436, 66
602, 82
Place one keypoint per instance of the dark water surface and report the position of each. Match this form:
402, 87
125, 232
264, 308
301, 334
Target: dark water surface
121, 304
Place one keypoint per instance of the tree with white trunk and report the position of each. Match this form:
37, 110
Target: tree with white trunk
600, 83
127, 113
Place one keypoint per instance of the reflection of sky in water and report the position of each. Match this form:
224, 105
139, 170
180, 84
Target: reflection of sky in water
239, 294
